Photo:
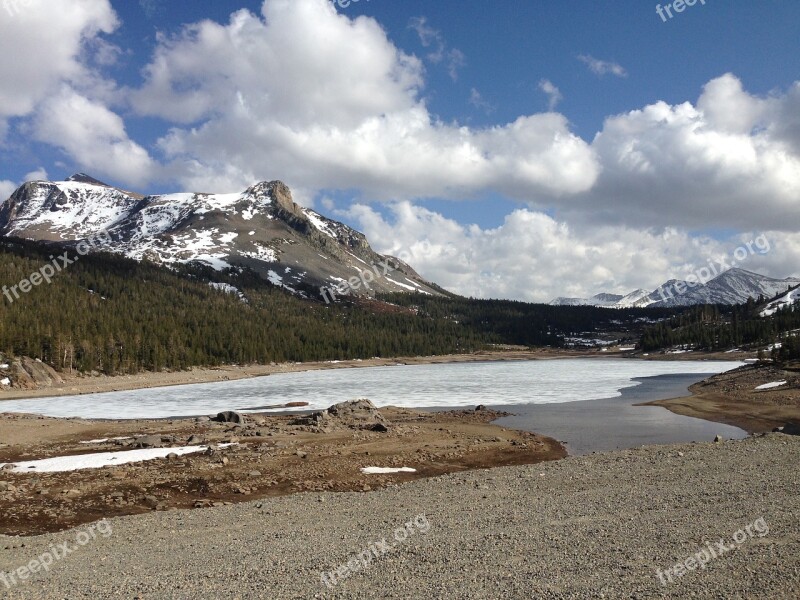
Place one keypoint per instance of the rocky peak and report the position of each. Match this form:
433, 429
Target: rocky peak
84, 178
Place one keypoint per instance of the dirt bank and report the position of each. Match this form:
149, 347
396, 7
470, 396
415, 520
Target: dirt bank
732, 398
273, 456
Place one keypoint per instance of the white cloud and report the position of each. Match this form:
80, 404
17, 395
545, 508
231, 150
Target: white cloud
42, 44
152, 8
343, 113
455, 61
729, 162
602, 67
92, 135
39, 174
53, 90
553, 93
6, 189
534, 257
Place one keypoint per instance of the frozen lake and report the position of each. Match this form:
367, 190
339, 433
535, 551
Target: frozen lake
443, 385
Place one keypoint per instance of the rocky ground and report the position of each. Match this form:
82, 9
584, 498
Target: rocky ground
628, 524
732, 398
271, 455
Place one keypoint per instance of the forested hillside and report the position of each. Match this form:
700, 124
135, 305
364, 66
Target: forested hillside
720, 328
529, 324
115, 315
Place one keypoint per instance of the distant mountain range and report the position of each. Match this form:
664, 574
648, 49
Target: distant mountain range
260, 228
734, 286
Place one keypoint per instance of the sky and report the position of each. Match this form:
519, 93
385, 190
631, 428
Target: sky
525, 149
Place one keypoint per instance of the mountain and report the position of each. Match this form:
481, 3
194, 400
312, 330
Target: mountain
733, 286
637, 298
260, 228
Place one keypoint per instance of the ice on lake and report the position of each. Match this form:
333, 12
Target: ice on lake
417, 386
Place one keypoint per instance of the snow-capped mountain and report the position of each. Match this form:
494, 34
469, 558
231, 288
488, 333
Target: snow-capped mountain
260, 228
636, 298
734, 286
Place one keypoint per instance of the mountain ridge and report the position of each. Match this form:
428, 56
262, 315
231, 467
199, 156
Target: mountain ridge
260, 228
733, 286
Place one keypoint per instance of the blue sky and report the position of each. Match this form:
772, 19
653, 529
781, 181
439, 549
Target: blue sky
538, 148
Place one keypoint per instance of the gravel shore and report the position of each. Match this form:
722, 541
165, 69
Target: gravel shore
597, 526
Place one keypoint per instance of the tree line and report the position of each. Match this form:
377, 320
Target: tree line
113, 315
718, 327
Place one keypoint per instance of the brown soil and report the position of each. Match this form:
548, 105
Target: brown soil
731, 398
275, 455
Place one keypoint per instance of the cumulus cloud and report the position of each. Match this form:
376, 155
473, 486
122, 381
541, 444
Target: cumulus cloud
93, 135
728, 161
259, 101
39, 174
534, 257
54, 90
46, 40
602, 67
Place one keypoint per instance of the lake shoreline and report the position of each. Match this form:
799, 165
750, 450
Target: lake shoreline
732, 398
630, 419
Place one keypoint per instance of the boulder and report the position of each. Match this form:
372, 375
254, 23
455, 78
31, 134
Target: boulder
230, 416
43, 375
148, 441
791, 429
357, 412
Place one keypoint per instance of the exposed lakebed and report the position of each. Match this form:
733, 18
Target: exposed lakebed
586, 402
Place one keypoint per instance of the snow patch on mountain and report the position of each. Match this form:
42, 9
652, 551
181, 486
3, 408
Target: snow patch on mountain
787, 299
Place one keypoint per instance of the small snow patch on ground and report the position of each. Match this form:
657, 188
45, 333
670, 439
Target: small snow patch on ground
386, 470
97, 460
774, 384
